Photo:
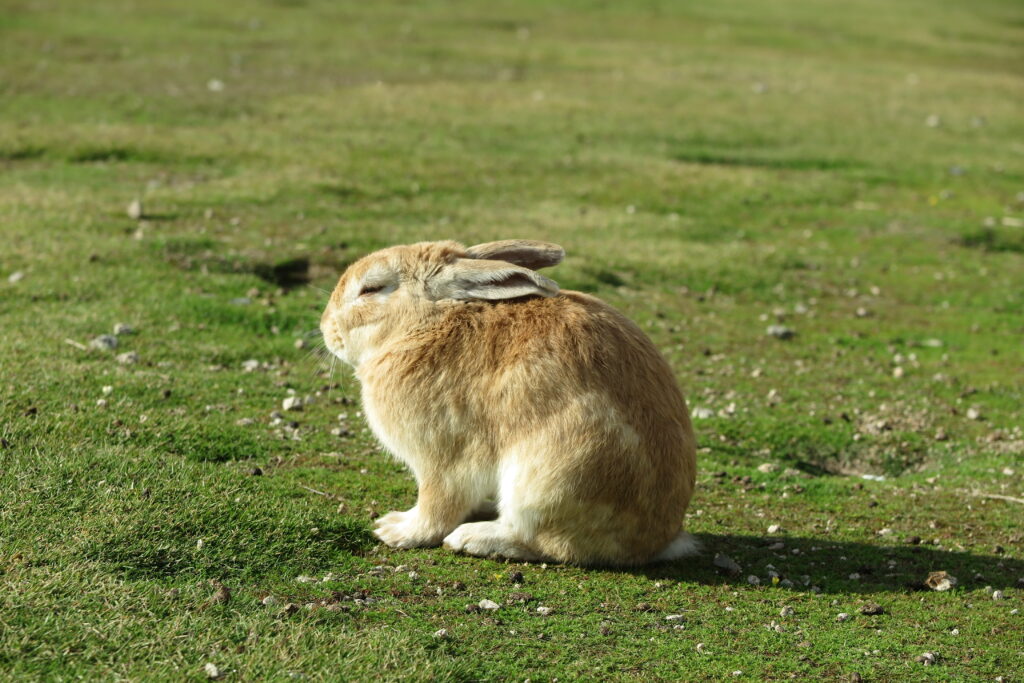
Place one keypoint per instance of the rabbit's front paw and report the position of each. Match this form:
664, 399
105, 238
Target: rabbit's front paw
488, 538
404, 530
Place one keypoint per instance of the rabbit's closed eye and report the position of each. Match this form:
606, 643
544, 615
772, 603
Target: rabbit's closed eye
371, 289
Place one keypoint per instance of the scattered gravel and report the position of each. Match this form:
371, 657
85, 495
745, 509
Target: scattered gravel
104, 342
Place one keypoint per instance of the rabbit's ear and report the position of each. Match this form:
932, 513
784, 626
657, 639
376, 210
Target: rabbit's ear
491, 280
525, 253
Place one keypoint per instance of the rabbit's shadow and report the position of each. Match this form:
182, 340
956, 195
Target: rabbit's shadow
820, 563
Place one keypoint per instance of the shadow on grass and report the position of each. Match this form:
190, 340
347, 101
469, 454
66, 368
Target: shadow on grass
809, 564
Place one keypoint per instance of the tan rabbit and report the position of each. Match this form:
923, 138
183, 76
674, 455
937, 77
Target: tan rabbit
501, 392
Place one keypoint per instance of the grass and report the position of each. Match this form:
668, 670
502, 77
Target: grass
852, 172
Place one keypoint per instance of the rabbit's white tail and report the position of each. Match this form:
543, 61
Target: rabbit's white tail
683, 545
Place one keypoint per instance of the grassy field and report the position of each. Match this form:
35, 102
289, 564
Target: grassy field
851, 171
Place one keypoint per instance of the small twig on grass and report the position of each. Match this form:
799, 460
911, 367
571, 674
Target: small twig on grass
319, 493
77, 345
998, 496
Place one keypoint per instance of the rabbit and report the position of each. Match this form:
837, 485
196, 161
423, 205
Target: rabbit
504, 394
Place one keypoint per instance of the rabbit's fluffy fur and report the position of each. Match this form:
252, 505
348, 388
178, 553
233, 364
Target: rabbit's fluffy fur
504, 394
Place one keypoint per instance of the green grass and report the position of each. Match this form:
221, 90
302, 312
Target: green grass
710, 168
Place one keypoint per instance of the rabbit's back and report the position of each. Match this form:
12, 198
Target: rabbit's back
559, 404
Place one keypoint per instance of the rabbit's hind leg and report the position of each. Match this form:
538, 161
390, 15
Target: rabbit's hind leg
486, 539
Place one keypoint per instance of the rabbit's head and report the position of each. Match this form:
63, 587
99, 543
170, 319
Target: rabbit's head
390, 294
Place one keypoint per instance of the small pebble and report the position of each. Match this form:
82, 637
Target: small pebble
211, 670
940, 581
726, 563
675, 617
842, 616
488, 605
108, 390
441, 634
780, 332
767, 467
872, 609
122, 328
926, 658
974, 413
544, 611
301, 344
269, 601
104, 342
774, 529
701, 413
787, 611
134, 211
753, 580
292, 403
16, 276
997, 595
129, 358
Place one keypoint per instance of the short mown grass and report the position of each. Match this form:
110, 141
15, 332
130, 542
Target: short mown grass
852, 172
